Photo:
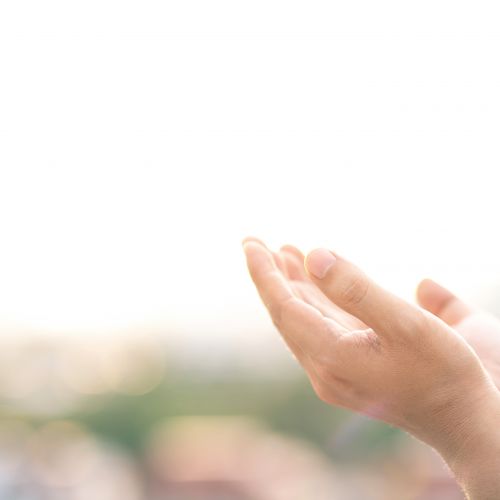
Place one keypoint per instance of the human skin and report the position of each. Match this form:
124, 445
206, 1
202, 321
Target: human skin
367, 350
480, 329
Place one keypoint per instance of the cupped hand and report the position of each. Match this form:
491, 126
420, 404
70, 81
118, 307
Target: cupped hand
366, 349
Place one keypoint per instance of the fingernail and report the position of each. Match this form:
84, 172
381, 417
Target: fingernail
319, 261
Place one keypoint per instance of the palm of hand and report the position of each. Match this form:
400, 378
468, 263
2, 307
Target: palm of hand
290, 261
380, 369
479, 329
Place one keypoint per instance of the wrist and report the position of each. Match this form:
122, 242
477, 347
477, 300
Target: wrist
471, 448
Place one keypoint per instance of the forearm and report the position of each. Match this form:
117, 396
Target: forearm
484, 485
474, 458
479, 473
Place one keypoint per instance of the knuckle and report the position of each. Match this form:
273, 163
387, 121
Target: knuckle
355, 290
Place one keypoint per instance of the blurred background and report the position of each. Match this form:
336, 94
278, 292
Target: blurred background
139, 143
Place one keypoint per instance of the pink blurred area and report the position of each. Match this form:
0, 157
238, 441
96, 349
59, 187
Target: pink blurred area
67, 409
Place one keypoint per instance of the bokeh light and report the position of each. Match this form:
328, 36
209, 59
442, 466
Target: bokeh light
139, 142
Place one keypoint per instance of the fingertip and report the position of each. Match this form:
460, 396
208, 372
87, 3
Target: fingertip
427, 282
319, 261
421, 288
253, 239
437, 299
429, 293
251, 246
292, 250
440, 301
259, 260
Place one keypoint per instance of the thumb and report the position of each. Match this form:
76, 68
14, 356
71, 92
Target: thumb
352, 290
441, 302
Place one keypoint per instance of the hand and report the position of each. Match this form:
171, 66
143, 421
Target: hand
479, 329
368, 350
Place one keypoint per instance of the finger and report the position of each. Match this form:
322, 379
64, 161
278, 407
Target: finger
303, 346
329, 309
248, 239
348, 287
280, 263
294, 264
278, 259
294, 251
441, 302
272, 286
314, 333
310, 293
294, 318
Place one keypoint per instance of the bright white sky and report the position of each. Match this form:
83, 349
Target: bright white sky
140, 141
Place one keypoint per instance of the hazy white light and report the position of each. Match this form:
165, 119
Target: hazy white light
139, 143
